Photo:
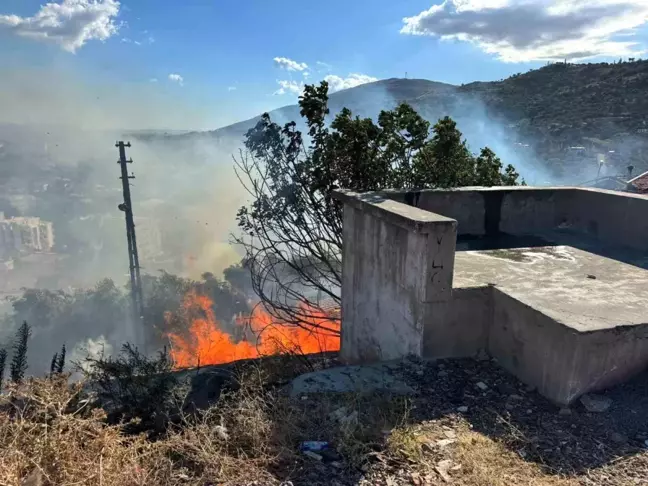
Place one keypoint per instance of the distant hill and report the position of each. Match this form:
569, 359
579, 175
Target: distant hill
600, 109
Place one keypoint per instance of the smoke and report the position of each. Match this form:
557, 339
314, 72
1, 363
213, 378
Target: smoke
90, 348
58, 162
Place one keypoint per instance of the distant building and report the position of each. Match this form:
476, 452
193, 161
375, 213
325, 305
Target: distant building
639, 184
25, 235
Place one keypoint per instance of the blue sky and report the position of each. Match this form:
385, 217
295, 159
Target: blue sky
227, 60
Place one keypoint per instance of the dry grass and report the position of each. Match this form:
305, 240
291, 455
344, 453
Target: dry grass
252, 436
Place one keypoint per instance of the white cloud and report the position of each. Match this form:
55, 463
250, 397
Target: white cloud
149, 40
289, 64
527, 30
176, 78
337, 83
286, 86
323, 66
69, 24
231, 88
153, 80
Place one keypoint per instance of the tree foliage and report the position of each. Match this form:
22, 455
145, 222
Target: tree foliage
3, 365
293, 226
18, 366
132, 385
58, 362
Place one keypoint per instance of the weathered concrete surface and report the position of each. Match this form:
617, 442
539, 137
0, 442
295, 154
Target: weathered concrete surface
560, 361
463, 330
382, 377
613, 218
397, 259
579, 289
565, 318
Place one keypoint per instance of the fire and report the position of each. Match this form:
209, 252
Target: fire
206, 343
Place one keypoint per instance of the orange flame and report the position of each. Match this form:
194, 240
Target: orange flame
206, 343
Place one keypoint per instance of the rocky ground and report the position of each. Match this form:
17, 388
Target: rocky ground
470, 422
302, 421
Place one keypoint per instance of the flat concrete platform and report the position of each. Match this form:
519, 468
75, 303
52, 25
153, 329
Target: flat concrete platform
577, 288
560, 318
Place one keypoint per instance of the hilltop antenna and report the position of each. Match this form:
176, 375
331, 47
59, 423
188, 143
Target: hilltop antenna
133, 257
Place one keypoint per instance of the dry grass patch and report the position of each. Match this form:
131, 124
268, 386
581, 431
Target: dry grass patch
252, 436
485, 462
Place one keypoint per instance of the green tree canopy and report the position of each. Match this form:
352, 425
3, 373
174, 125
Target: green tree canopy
293, 227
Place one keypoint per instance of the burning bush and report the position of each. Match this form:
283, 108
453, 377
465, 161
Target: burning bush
206, 342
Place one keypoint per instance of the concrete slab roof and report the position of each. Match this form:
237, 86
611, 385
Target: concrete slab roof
582, 290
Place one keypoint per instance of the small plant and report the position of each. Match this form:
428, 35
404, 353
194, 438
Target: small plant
18, 366
135, 388
58, 362
3, 364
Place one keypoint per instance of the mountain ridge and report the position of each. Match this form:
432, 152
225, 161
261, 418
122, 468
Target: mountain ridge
601, 106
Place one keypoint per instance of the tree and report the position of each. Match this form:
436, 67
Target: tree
3, 364
58, 362
19, 359
293, 228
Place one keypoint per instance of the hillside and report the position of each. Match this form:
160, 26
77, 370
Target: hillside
601, 107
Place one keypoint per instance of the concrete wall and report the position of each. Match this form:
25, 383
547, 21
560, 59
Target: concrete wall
397, 296
562, 363
614, 218
463, 331
397, 261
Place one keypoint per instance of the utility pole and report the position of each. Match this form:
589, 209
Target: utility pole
133, 257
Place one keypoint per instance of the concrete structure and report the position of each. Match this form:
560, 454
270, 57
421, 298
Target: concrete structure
25, 235
552, 282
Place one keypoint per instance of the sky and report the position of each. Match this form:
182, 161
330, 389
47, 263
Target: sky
201, 64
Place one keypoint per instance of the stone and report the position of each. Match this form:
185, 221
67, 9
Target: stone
596, 403
565, 411
481, 385
339, 413
445, 442
442, 468
618, 438
369, 378
350, 419
462, 409
313, 455
450, 434
506, 389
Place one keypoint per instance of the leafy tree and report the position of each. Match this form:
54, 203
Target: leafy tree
293, 227
19, 359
